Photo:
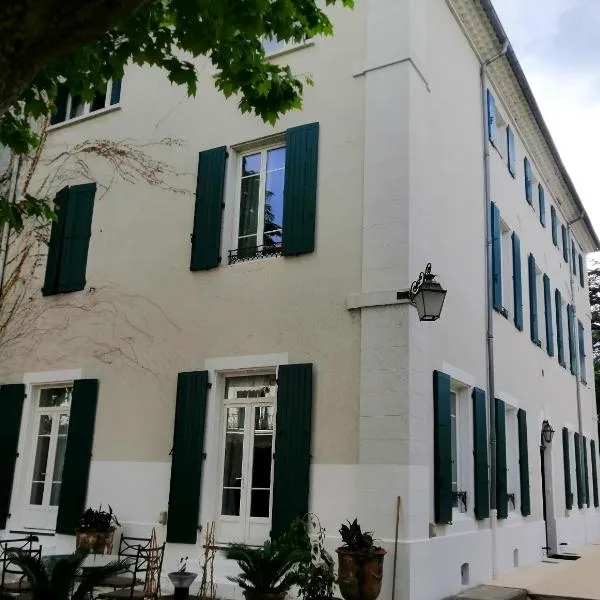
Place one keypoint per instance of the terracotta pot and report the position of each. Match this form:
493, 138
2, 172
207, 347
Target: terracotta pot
96, 542
249, 595
360, 574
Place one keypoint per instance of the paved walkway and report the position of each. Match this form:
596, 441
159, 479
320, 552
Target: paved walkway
559, 579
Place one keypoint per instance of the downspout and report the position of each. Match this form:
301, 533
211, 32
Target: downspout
489, 307
575, 332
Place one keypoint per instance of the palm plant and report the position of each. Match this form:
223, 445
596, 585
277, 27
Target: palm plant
61, 578
267, 571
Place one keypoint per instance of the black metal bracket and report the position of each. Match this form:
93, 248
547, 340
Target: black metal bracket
511, 499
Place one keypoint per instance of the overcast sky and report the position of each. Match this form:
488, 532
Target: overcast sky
557, 43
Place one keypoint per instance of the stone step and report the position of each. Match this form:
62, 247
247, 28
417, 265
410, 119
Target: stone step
491, 592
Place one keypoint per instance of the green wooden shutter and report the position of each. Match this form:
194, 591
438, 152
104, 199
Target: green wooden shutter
293, 425
528, 180
573, 258
496, 258
554, 223
78, 455
300, 192
581, 338
187, 457
565, 243
76, 238
11, 408
586, 475
579, 471
581, 272
60, 105
559, 329
442, 448
517, 281
567, 469
115, 91
548, 314
480, 454
533, 316
208, 211
501, 470
542, 204
56, 242
523, 463
594, 472
571, 328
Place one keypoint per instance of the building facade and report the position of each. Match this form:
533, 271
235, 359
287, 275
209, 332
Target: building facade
214, 333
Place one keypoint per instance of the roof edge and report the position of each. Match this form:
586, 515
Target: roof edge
513, 61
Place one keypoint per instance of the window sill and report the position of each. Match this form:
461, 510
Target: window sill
288, 49
91, 115
252, 254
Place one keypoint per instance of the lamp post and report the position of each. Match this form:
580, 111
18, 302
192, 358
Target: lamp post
426, 294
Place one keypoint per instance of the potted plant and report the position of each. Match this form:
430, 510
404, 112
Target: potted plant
315, 576
360, 564
268, 572
182, 579
96, 530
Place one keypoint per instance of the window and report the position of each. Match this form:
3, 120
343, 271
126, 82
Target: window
247, 459
565, 243
69, 240
498, 132
272, 44
528, 178
260, 219
560, 331
507, 271
581, 336
461, 449
554, 223
541, 309
71, 107
511, 151
51, 424
542, 204
512, 458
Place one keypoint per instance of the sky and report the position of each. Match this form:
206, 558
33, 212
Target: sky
557, 43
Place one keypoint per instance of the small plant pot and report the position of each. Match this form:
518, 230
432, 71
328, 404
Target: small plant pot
250, 595
95, 542
360, 574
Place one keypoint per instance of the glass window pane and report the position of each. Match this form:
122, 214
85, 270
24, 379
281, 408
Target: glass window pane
37, 492
272, 44
59, 463
259, 503
263, 418
45, 425
55, 494
63, 424
453, 442
99, 101
276, 159
262, 460
234, 448
273, 208
41, 458
251, 165
53, 397
231, 502
249, 206
77, 106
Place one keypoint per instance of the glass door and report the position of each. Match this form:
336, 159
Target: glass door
247, 474
51, 425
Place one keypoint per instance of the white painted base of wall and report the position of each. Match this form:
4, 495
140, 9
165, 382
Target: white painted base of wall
427, 568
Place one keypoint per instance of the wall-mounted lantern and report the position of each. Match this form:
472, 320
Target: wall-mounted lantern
427, 295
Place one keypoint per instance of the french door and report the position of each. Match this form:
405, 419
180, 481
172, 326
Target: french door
50, 428
247, 459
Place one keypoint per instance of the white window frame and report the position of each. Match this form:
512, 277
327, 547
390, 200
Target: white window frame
513, 481
263, 150
541, 307
246, 521
464, 446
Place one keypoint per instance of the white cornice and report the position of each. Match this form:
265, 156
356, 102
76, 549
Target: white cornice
484, 41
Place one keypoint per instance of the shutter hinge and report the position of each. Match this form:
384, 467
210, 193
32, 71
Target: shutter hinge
204, 456
273, 455
171, 452
277, 382
226, 154
192, 237
9, 515
209, 385
222, 205
220, 259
